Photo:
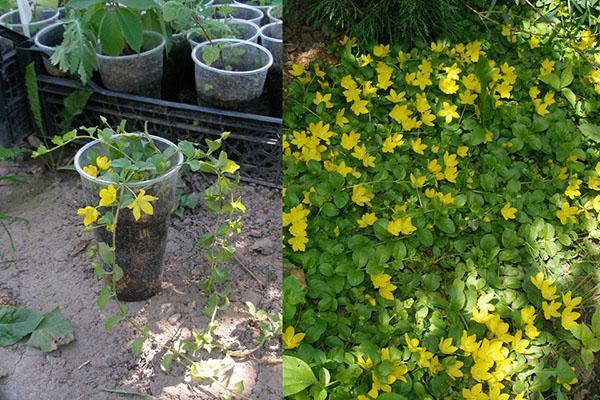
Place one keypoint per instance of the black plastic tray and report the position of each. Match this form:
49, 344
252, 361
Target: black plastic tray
255, 140
15, 124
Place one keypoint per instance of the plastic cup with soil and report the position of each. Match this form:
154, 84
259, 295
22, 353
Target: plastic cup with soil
133, 73
236, 11
271, 37
235, 76
227, 29
47, 39
140, 245
275, 13
261, 5
40, 18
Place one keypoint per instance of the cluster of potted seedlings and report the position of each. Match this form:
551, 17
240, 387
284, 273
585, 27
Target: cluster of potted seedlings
232, 45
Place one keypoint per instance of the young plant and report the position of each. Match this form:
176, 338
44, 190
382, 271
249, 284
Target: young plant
7, 154
114, 28
135, 158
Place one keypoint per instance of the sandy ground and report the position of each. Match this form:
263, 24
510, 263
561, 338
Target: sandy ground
48, 268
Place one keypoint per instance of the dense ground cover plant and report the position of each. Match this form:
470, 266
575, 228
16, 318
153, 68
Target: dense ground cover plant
441, 221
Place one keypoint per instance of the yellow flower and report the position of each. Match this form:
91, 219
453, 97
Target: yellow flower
401, 225
291, 339
412, 344
89, 214
360, 107
567, 213
340, 119
545, 286
446, 347
417, 182
382, 282
108, 196
367, 219
381, 50
569, 317
453, 72
594, 183
448, 86
547, 67
475, 393
396, 97
319, 98
430, 193
296, 214
572, 190
391, 142
321, 131
361, 195
462, 151
467, 97
347, 82
528, 315
364, 364
350, 140
495, 394
519, 344
508, 212
103, 163
91, 170
347, 40
507, 32
534, 42
142, 203
417, 146
531, 331
568, 302
468, 344
454, 371
445, 198
400, 113
437, 47
297, 70
365, 60
551, 309
448, 112
298, 243
489, 136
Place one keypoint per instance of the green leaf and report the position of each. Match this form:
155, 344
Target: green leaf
166, 362
52, 332
84, 4
117, 273
103, 297
596, 322
106, 253
570, 96
48, 3
138, 4
552, 80
590, 131
340, 199
230, 167
587, 356
111, 36
210, 54
564, 371
112, 321
136, 346
131, 26
567, 76
297, 375
16, 323
445, 224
